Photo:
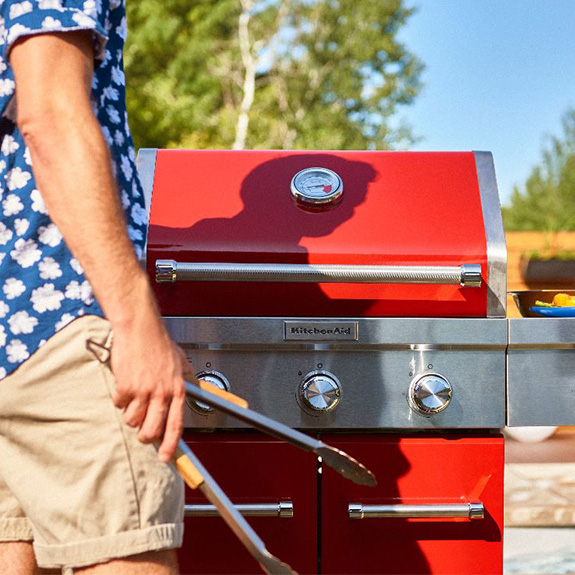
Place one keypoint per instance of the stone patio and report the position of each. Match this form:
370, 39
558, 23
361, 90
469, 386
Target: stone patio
540, 495
540, 506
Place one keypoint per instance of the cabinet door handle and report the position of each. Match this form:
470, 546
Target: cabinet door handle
471, 511
466, 275
282, 509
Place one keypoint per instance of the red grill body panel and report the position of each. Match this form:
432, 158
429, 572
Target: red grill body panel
416, 470
398, 209
410, 470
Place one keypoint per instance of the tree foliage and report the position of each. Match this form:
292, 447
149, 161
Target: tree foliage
269, 73
547, 200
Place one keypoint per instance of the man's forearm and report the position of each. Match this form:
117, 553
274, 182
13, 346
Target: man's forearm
72, 167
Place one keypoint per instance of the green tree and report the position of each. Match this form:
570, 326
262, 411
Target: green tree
269, 73
547, 200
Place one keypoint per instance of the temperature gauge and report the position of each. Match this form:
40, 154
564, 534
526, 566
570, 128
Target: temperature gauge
316, 188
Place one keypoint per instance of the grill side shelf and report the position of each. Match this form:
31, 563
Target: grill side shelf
540, 372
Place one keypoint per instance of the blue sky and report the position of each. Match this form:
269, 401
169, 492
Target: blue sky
499, 76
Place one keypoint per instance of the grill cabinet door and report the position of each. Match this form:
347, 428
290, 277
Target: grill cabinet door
253, 469
419, 471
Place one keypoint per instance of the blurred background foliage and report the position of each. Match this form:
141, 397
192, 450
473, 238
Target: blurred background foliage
316, 74
547, 199
300, 74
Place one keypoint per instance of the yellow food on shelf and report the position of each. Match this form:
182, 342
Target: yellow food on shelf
561, 300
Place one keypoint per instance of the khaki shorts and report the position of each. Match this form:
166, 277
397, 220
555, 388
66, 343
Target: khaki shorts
73, 477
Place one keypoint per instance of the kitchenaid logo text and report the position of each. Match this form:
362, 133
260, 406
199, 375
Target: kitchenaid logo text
317, 330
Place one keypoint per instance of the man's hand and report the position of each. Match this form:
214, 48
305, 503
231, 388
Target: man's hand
149, 371
72, 167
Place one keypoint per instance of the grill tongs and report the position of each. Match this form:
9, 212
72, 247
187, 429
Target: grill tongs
197, 476
224, 401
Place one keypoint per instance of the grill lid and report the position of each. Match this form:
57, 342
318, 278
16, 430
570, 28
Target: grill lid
285, 233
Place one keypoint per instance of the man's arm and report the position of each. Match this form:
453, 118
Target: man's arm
72, 167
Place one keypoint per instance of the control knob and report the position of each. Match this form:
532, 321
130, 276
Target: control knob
320, 391
429, 394
215, 378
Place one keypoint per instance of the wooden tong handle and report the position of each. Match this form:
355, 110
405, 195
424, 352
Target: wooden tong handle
187, 470
211, 388
185, 467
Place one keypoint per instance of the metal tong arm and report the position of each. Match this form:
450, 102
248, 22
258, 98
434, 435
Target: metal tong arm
336, 459
197, 476
237, 407
253, 418
466, 275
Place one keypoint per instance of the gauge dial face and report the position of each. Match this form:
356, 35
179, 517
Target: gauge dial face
316, 186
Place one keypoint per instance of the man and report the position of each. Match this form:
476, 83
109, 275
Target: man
80, 476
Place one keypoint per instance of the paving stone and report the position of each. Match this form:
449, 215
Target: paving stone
539, 551
540, 494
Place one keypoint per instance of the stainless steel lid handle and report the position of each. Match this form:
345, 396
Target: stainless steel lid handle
166, 271
466, 275
472, 511
282, 509
471, 275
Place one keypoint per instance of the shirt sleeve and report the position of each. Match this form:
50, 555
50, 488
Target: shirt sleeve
28, 17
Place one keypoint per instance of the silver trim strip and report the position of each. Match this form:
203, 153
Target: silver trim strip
472, 511
283, 509
146, 163
541, 333
495, 236
167, 271
416, 334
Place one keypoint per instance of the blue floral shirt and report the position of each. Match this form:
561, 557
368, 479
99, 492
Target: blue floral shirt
42, 286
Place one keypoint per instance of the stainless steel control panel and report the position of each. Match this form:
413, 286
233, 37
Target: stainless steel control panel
399, 372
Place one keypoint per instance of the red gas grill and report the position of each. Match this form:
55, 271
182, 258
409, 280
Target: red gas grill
359, 296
